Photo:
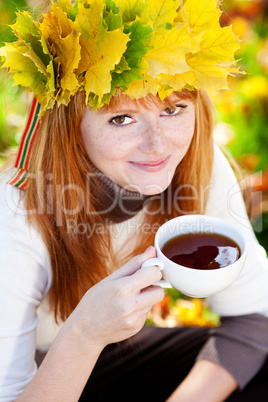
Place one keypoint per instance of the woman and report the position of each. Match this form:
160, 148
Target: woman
104, 171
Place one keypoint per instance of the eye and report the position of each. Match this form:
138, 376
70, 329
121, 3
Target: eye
173, 111
123, 120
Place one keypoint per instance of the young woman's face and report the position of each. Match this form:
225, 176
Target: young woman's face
139, 148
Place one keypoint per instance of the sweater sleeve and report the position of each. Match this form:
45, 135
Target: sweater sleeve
24, 281
240, 344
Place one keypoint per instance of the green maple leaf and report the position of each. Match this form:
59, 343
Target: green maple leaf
26, 30
139, 34
121, 66
112, 17
131, 9
136, 49
24, 70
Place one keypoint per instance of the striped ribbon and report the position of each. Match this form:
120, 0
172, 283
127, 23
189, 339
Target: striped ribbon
22, 161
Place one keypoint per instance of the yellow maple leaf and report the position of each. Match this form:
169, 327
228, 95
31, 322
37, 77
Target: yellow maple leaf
98, 76
25, 28
140, 88
169, 49
165, 91
220, 44
63, 4
88, 22
177, 81
200, 15
50, 73
29, 40
25, 51
24, 70
101, 49
159, 13
63, 43
66, 25
205, 74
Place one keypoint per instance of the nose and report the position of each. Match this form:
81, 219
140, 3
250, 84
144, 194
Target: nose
153, 140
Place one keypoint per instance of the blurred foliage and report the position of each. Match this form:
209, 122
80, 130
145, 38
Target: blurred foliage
12, 99
243, 111
176, 310
8, 9
245, 106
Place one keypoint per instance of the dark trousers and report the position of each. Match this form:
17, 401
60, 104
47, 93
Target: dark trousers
151, 365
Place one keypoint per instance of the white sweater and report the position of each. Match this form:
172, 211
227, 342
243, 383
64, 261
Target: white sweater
25, 278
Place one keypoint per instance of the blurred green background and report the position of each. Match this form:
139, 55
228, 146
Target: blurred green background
242, 112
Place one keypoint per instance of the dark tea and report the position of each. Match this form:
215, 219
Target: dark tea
202, 250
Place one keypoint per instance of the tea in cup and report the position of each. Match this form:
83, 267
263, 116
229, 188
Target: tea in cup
199, 255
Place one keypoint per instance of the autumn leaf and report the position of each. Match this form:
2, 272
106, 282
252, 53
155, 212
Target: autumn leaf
139, 34
121, 66
29, 35
205, 74
219, 45
136, 48
160, 13
63, 43
24, 70
153, 46
164, 91
65, 5
141, 88
101, 50
168, 54
88, 21
29, 60
199, 15
50, 68
177, 81
131, 9
98, 76
112, 17
26, 30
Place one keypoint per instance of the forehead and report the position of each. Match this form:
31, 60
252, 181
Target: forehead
121, 100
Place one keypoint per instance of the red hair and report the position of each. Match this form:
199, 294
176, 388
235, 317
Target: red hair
78, 262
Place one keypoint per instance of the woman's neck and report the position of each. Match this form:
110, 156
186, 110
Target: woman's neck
117, 203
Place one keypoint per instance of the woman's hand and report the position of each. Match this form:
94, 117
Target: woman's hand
114, 309
117, 307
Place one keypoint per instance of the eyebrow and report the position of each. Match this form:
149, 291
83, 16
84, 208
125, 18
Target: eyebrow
122, 111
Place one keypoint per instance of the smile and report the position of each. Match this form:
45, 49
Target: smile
151, 166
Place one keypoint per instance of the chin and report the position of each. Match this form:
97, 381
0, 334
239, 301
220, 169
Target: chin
154, 189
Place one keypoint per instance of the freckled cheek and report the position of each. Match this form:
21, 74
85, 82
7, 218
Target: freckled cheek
114, 149
182, 137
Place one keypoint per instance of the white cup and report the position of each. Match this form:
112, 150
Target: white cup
195, 282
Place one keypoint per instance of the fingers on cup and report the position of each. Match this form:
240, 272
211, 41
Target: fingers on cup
145, 277
151, 295
134, 264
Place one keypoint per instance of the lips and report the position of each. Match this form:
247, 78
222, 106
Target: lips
152, 165
154, 162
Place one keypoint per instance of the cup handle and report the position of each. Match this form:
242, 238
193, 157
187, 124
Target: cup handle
157, 262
